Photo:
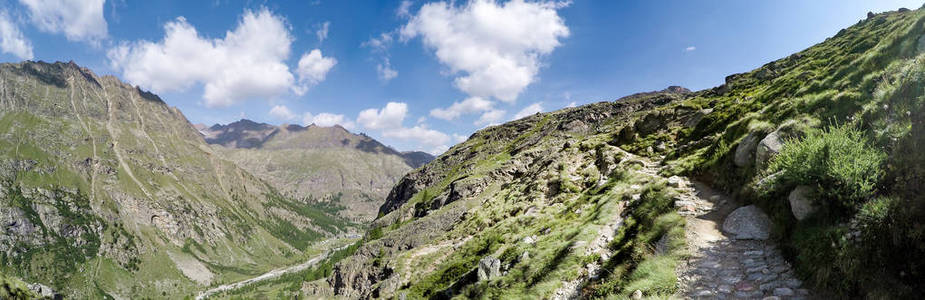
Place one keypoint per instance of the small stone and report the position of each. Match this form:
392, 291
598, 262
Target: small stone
768, 286
725, 288
637, 294
744, 286
676, 182
771, 298
704, 293
754, 253
793, 283
783, 292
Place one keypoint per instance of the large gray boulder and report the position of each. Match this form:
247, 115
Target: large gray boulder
489, 268
769, 146
748, 223
745, 152
801, 202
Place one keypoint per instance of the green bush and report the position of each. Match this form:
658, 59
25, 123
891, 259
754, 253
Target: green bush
839, 159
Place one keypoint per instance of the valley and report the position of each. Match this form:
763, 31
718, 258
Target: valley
800, 179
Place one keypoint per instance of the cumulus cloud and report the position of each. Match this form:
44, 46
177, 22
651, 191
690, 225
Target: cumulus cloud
490, 117
12, 40
313, 68
690, 49
281, 112
470, 105
404, 9
248, 63
389, 121
529, 110
389, 117
458, 138
571, 104
328, 120
497, 45
322, 32
79, 20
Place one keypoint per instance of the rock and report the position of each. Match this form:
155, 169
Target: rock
745, 152
801, 202
525, 256
637, 294
769, 146
42, 290
530, 240
903, 9
870, 14
676, 182
489, 268
783, 292
748, 223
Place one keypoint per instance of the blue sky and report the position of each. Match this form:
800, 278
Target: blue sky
417, 75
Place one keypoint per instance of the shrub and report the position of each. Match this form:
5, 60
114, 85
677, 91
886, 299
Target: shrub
839, 159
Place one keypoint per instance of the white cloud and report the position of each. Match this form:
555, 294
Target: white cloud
322, 32
571, 104
79, 20
12, 40
458, 138
282, 112
385, 70
247, 63
470, 105
389, 117
380, 43
328, 120
529, 110
490, 117
497, 45
404, 9
313, 68
690, 49
389, 121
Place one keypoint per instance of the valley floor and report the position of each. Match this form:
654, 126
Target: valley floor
270, 275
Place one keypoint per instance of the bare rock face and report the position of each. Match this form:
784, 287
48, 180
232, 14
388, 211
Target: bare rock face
745, 152
748, 223
489, 268
801, 202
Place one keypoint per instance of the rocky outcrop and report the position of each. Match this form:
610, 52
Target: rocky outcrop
748, 223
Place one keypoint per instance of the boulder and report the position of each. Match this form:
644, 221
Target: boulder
748, 223
769, 146
801, 202
489, 268
42, 290
745, 152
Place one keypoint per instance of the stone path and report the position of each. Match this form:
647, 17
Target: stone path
726, 268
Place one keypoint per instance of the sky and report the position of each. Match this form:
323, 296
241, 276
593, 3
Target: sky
414, 74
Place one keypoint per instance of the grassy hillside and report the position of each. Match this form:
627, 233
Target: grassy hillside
105, 190
843, 119
317, 164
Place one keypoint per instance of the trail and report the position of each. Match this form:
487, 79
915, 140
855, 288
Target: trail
721, 267
268, 275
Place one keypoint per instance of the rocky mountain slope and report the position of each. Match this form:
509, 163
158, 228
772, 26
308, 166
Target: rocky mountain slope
315, 163
106, 190
817, 152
